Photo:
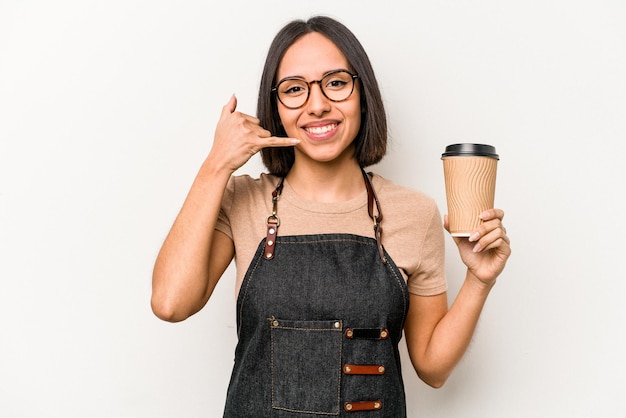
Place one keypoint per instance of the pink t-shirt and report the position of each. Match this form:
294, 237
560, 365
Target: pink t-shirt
412, 229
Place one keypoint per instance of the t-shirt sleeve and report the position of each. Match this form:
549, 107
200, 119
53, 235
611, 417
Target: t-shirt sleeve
223, 219
429, 278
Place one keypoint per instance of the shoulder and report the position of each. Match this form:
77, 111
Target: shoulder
402, 197
248, 182
413, 235
408, 214
246, 185
244, 192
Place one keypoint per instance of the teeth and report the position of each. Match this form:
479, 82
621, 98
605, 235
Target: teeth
321, 129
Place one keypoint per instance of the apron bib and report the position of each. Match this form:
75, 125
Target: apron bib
319, 319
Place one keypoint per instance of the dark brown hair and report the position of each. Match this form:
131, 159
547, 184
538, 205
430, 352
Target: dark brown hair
371, 141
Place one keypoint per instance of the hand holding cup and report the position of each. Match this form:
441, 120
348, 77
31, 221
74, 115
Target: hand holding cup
470, 177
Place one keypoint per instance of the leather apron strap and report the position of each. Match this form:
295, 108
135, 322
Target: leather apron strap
273, 221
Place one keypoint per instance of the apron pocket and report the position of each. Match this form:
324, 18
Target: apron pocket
306, 365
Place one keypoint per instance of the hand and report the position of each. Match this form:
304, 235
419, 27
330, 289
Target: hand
486, 251
239, 136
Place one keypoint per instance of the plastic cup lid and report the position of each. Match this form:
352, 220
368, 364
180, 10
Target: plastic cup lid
469, 150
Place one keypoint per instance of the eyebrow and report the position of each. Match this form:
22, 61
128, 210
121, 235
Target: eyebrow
298, 77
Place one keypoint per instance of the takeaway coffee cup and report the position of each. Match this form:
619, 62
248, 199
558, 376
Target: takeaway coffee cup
470, 176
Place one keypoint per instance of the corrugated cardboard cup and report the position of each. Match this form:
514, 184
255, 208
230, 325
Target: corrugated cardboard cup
470, 176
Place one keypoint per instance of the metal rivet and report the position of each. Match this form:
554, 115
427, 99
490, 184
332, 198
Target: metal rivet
381, 369
275, 323
349, 333
270, 243
377, 405
272, 230
337, 324
269, 255
347, 369
348, 407
383, 334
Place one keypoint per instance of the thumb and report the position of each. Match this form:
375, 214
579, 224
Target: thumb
230, 106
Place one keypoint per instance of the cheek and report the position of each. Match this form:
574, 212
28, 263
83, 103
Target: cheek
287, 120
357, 118
357, 112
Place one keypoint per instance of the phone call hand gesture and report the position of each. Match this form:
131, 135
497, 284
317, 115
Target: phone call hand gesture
239, 136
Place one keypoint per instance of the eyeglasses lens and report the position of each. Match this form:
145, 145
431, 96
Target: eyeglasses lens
336, 86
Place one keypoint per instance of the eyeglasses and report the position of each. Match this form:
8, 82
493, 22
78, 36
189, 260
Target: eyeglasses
336, 86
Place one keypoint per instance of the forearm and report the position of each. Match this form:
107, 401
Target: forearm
181, 280
453, 333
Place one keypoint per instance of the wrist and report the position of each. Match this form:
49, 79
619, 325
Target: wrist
215, 167
479, 284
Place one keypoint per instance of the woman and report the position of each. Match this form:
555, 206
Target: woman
323, 293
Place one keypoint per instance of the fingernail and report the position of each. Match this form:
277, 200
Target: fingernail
476, 248
474, 237
484, 215
294, 141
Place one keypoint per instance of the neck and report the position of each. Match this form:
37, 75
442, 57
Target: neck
327, 182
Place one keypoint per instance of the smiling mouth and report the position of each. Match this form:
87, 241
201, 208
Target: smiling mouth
320, 130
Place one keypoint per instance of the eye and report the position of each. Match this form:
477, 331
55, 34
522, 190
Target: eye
335, 84
337, 81
292, 87
294, 90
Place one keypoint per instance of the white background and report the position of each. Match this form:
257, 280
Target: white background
107, 109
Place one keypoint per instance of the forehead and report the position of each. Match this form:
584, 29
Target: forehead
310, 57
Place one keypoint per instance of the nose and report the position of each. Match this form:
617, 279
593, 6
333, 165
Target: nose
318, 103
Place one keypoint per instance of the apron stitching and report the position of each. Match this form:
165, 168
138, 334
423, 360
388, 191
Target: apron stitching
245, 293
307, 329
402, 288
339, 358
339, 370
330, 240
272, 364
306, 412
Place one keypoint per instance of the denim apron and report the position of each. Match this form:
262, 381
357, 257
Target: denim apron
319, 319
